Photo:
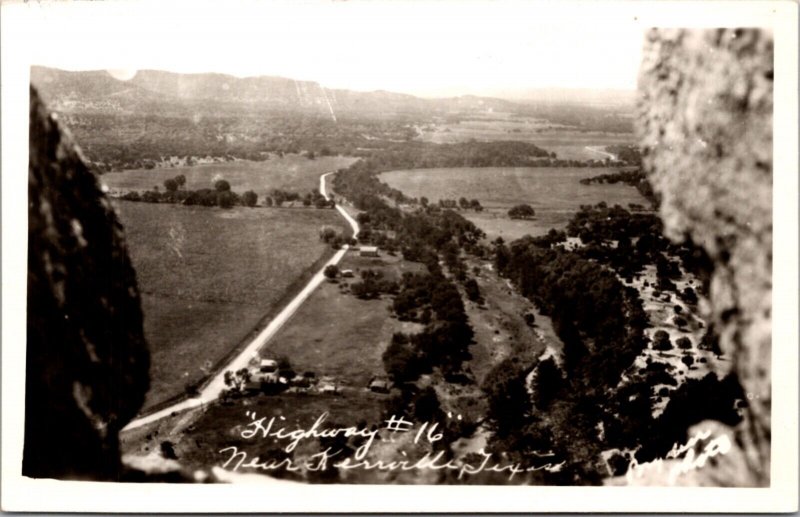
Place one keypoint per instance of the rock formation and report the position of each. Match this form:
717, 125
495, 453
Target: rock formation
705, 126
87, 359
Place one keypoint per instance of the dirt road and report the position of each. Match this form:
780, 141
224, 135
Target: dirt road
214, 388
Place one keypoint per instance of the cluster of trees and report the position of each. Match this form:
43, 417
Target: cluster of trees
523, 211
634, 178
432, 300
601, 324
629, 154
336, 239
221, 195
119, 141
278, 197
173, 184
462, 203
372, 285
429, 235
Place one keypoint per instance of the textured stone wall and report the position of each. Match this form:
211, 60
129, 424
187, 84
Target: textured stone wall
705, 125
87, 360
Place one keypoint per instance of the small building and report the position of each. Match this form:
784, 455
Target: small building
347, 273
380, 385
267, 371
368, 251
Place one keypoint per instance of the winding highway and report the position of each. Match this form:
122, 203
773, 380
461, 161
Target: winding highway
214, 388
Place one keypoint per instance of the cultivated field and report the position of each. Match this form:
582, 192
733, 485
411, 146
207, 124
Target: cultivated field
208, 276
336, 334
554, 193
292, 172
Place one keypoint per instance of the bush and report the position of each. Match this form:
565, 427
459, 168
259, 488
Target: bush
679, 321
684, 343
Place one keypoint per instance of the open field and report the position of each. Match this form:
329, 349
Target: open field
208, 276
292, 172
567, 142
555, 193
334, 333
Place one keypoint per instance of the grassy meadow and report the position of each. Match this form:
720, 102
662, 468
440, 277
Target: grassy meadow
208, 277
291, 172
335, 333
555, 193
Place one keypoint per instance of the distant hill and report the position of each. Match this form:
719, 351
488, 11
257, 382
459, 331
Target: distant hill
167, 92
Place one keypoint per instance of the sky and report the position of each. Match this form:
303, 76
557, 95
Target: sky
443, 48
427, 48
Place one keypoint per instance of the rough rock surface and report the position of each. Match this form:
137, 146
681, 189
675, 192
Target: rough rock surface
87, 359
705, 125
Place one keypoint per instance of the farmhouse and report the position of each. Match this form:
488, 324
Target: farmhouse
369, 251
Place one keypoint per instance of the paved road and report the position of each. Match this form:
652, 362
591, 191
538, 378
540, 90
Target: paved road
213, 389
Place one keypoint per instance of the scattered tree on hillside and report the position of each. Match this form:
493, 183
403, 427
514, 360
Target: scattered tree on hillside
661, 341
222, 186
180, 179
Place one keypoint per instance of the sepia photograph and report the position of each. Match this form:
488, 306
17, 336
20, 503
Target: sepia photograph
346, 247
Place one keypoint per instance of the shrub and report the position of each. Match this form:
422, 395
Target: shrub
684, 343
